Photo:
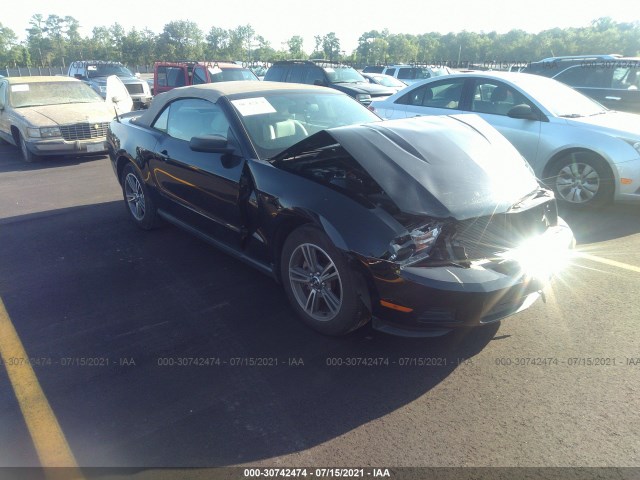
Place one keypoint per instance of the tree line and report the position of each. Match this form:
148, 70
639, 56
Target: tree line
56, 41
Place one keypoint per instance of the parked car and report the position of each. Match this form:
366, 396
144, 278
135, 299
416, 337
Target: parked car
327, 74
373, 69
57, 115
589, 155
385, 80
411, 74
424, 225
168, 75
612, 80
95, 73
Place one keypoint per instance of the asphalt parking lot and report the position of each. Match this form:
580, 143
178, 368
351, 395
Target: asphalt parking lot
151, 349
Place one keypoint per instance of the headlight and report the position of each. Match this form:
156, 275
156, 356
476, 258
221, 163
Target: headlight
634, 143
417, 245
363, 97
45, 132
542, 256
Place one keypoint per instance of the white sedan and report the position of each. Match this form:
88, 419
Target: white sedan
589, 155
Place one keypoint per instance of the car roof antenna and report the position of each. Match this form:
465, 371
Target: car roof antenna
117, 116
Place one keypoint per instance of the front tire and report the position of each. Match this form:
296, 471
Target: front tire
27, 155
137, 200
582, 179
321, 287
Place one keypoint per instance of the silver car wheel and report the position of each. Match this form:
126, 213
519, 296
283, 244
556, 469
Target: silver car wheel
315, 282
135, 196
577, 183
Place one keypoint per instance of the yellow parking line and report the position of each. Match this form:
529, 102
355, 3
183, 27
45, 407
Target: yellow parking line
606, 261
49, 441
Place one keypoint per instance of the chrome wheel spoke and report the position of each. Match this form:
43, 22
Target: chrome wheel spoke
310, 305
299, 275
309, 256
332, 302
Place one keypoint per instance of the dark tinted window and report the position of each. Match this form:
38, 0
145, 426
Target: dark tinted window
315, 76
581, 76
276, 73
296, 74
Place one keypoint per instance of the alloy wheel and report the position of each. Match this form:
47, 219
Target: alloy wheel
135, 196
315, 282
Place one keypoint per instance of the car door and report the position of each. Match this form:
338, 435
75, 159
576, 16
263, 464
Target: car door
492, 100
442, 97
200, 189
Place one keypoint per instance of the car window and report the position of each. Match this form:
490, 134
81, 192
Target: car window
192, 117
296, 74
276, 73
443, 94
625, 78
275, 121
171, 77
3, 93
231, 74
495, 97
390, 71
315, 76
34, 94
199, 76
581, 76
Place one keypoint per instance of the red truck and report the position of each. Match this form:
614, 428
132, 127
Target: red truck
168, 75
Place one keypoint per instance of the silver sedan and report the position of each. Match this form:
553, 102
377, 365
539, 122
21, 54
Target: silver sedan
588, 154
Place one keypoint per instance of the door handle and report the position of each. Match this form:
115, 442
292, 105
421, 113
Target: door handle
617, 99
164, 155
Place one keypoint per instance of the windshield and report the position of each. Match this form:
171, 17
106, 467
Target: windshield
94, 71
343, 75
558, 98
276, 121
51, 93
231, 74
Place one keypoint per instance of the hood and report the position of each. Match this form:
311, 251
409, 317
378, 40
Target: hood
49, 115
611, 122
364, 87
455, 166
103, 80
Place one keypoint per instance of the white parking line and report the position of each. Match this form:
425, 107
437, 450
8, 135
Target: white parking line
606, 261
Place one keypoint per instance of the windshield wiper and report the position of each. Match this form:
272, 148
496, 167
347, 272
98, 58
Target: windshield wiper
572, 115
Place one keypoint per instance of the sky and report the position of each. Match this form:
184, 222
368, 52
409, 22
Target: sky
279, 20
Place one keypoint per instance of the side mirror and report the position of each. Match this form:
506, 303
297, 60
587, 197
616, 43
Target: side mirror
523, 112
210, 144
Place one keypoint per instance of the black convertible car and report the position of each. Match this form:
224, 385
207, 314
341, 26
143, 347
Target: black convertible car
421, 224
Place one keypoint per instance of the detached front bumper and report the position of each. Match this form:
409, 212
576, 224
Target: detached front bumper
431, 301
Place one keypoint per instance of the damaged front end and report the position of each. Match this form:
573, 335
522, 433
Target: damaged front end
476, 238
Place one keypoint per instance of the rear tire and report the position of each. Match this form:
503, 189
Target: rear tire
320, 285
139, 204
